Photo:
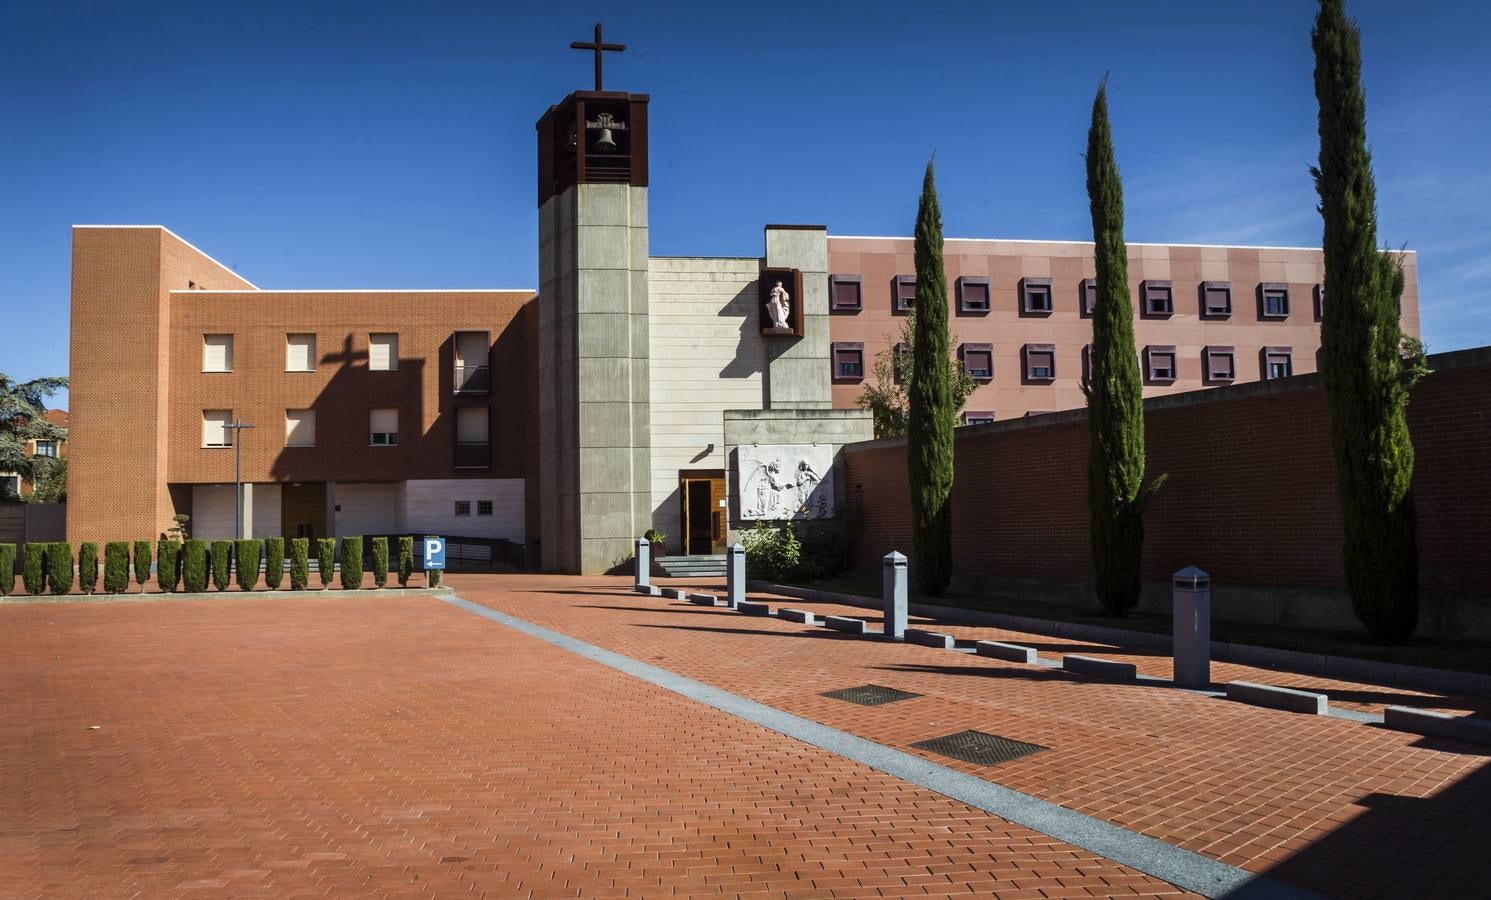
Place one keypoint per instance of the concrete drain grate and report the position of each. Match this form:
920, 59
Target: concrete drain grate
869, 695
978, 748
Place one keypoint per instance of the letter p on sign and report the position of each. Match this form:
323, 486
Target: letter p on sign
434, 553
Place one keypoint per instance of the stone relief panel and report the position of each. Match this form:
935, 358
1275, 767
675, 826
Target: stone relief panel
789, 481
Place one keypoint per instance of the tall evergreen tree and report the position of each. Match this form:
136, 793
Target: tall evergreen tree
930, 412
1116, 494
1367, 377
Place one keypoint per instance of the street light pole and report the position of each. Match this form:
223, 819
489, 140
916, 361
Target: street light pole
238, 426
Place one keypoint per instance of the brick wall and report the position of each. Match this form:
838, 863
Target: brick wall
1251, 494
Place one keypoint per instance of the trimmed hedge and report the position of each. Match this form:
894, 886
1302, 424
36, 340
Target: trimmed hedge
87, 567
326, 559
300, 563
59, 567
116, 566
380, 561
194, 566
142, 563
7, 569
33, 575
351, 563
168, 564
274, 562
222, 564
406, 559
247, 554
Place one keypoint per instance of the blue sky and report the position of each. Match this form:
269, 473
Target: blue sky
379, 144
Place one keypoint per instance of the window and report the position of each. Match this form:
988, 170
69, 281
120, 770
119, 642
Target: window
1320, 303
1159, 300
903, 293
1216, 299
1273, 300
843, 293
463, 507
1035, 296
973, 294
383, 427
1278, 362
971, 417
1087, 365
10, 486
300, 428
47, 449
300, 353
1159, 364
472, 426
1088, 296
848, 361
216, 430
1040, 362
472, 351
978, 359
1221, 364
483, 507
383, 352
900, 363
217, 353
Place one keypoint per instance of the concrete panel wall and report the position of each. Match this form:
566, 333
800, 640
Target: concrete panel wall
267, 518
212, 512
429, 507
368, 509
798, 374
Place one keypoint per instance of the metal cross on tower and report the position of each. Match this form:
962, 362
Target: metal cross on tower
598, 46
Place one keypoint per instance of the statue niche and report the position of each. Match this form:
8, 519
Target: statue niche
781, 302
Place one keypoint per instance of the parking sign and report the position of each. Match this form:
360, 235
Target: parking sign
434, 552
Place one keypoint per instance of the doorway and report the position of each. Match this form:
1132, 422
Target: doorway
303, 510
703, 496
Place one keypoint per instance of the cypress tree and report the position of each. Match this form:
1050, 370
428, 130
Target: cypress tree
274, 562
300, 563
930, 411
222, 564
142, 563
1116, 495
87, 567
168, 564
193, 566
1367, 379
406, 559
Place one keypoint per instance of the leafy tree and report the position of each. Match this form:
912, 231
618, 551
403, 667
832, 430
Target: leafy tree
1367, 365
885, 396
23, 418
1116, 492
930, 410
49, 477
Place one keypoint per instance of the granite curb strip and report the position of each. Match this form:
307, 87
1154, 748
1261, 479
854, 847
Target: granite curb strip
797, 615
648, 590
1009, 652
751, 608
329, 593
1343, 668
929, 638
1099, 668
1183, 868
1438, 724
845, 623
1278, 697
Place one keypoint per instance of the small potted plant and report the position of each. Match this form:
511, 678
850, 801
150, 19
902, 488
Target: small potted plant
655, 538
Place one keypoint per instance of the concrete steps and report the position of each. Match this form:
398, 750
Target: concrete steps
693, 566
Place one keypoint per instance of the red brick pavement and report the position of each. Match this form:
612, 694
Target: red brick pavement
405, 747
1334, 806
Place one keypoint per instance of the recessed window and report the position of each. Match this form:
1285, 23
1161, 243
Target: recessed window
978, 359
848, 361
1040, 362
216, 428
1086, 365
1273, 301
217, 353
1216, 299
973, 294
300, 353
300, 428
10, 486
1087, 296
383, 352
1159, 298
844, 293
1159, 364
900, 363
483, 507
463, 507
981, 417
472, 352
1035, 296
383, 427
46, 449
903, 293
1278, 362
1320, 303
1220, 364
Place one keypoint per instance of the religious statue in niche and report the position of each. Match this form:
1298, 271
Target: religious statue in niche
779, 307
785, 482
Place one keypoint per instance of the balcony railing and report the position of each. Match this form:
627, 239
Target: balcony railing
470, 455
472, 379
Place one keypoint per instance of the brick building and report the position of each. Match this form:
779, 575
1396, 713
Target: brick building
13, 485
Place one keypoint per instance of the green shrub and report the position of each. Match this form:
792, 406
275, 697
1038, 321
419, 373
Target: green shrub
824, 552
142, 563
194, 566
87, 567
247, 553
380, 561
167, 564
116, 566
326, 559
351, 563
274, 562
300, 563
432, 577
59, 567
222, 564
773, 551
33, 575
7, 569
406, 559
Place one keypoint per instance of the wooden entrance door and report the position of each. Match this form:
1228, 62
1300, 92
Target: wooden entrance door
703, 496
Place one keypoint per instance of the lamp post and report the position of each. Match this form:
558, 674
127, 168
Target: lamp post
238, 426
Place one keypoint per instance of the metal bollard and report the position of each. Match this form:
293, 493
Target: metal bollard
895, 596
1192, 627
735, 575
644, 563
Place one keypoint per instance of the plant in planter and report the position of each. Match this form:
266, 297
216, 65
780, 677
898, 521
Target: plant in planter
658, 540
